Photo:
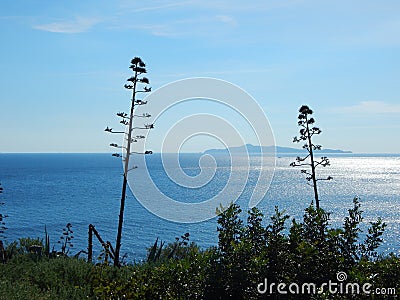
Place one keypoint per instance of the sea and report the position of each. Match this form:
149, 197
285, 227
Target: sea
50, 190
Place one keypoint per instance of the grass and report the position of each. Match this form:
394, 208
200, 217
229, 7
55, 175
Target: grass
29, 277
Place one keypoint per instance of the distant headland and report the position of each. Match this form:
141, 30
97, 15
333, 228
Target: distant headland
251, 149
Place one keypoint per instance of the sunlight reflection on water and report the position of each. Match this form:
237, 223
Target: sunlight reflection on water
53, 189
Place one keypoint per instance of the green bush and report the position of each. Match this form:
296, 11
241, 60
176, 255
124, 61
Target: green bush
248, 251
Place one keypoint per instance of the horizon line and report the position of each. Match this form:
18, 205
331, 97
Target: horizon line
285, 153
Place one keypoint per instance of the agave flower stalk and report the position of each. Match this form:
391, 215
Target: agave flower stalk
138, 68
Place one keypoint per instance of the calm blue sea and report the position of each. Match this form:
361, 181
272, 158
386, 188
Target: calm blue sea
54, 189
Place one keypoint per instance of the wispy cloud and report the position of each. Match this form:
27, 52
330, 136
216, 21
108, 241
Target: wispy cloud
371, 107
177, 18
387, 34
375, 33
195, 26
80, 24
221, 72
11, 17
134, 7
245, 7
227, 20
162, 30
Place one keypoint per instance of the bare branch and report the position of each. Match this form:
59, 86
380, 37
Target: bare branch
140, 102
322, 179
294, 164
145, 115
298, 158
116, 146
123, 115
146, 152
134, 167
117, 131
142, 128
111, 130
145, 90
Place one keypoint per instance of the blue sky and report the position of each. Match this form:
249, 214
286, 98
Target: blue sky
63, 66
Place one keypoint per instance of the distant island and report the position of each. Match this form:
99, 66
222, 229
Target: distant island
251, 149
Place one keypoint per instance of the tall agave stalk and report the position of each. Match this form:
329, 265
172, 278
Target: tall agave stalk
138, 68
307, 131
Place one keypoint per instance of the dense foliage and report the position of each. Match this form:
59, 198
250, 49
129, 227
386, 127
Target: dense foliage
249, 253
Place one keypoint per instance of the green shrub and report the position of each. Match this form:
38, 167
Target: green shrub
248, 251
